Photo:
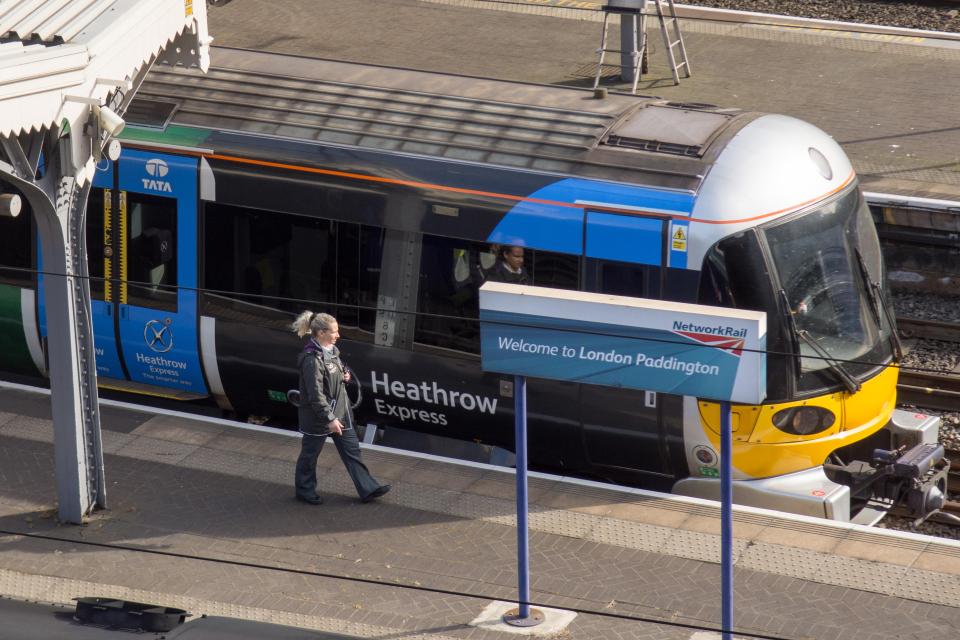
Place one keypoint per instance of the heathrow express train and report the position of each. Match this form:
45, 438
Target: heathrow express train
276, 183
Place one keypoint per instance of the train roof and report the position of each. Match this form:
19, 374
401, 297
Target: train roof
552, 129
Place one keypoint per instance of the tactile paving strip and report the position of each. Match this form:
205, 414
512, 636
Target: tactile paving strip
928, 586
775, 558
859, 574
821, 567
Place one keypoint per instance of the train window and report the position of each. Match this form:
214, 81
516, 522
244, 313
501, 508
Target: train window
681, 285
451, 272
816, 259
269, 259
735, 275
359, 251
622, 278
16, 248
557, 270
266, 261
95, 241
151, 250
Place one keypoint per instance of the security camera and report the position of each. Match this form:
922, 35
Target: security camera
10, 205
109, 121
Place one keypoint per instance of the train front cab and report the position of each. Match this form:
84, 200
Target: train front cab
817, 275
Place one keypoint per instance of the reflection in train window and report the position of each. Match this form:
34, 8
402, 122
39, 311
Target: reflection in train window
622, 278
557, 270
151, 250
452, 271
267, 261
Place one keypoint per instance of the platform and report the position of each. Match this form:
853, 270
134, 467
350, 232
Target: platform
888, 99
202, 517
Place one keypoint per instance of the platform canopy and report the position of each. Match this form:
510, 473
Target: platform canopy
59, 57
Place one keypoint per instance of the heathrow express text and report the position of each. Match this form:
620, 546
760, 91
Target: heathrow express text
426, 392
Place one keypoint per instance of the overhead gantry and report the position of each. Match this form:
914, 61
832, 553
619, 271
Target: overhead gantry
68, 71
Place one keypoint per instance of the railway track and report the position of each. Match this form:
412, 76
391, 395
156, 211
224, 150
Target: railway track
929, 390
928, 329
940, 391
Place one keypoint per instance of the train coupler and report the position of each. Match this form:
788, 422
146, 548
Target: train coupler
914, 479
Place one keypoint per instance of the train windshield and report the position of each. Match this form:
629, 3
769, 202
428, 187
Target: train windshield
827, 262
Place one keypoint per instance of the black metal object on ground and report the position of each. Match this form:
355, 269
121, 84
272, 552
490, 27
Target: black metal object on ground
121, 614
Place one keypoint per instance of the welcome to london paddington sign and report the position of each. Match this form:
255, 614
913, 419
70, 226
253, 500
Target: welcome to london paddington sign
655, 345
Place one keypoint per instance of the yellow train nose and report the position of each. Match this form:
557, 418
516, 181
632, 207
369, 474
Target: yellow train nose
786, 437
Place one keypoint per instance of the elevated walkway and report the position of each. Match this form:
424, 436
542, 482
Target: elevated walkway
203, 518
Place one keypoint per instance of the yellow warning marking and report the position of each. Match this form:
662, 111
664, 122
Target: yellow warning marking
123, 247
679, 239
107, 244
187, 8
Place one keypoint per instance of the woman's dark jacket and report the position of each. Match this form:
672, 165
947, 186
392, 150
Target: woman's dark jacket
323, 392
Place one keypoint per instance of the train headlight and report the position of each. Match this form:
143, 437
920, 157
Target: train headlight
803, 421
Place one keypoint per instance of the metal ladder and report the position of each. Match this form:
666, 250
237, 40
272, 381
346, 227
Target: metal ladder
639, 37
639, 49
666, 21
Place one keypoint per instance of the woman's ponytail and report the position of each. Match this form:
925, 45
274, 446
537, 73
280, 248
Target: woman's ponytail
301, 326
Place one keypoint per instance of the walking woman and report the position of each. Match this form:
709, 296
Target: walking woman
325, 410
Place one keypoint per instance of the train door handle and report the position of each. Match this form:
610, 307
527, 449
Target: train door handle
123, 312
109, 310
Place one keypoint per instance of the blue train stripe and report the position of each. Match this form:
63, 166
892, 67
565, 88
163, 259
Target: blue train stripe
554, 227
625, 238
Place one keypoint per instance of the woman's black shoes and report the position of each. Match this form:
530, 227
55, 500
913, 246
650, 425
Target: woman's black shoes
314, 499
376, 493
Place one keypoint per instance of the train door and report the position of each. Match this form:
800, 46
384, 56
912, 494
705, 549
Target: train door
142, 250
156, 297
622, 427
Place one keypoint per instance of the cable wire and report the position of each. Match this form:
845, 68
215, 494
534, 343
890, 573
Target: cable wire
372, 581
360, 308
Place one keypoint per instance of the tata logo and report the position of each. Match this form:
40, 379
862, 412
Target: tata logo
157, 169
158, 335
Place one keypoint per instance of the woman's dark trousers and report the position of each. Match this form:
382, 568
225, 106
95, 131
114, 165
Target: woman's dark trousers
348, 446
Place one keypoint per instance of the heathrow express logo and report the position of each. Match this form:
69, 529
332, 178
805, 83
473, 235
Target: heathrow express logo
158, 335
157, 169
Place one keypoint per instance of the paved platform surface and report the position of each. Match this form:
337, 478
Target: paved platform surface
202, 517
889, 100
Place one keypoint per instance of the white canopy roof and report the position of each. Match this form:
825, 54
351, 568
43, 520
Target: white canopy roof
53, 52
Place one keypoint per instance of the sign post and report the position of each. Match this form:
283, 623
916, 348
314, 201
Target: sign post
655, 345
726, 522
523, 615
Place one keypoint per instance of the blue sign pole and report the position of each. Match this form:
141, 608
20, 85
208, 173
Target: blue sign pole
726, 520
523, 551
523, 615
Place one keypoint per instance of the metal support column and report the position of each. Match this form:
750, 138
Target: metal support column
58, 204
629, 59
